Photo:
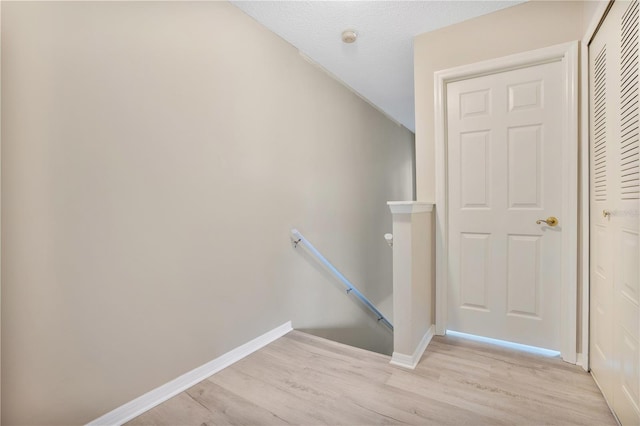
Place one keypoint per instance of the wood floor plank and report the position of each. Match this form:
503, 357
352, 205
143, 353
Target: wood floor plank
228, 408
179, 410
544, 385
306, 380
291, 394
457, 396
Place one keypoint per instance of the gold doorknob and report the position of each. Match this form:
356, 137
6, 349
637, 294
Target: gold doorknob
606, 213
551, 221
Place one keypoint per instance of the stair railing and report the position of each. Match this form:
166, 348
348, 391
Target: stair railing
297, 238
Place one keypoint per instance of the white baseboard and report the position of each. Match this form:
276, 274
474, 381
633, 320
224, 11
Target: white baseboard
134, 408
410, 361
581, 360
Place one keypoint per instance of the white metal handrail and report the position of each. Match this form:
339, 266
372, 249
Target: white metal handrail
298, 238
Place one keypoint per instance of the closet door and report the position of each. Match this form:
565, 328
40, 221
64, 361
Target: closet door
615, 194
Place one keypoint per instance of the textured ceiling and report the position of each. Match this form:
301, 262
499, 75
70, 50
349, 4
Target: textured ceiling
379, 65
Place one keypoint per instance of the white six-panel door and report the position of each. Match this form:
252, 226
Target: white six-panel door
615, 193
505, 162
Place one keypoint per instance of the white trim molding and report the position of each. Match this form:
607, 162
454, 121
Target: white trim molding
134, 408
581, 361
567, 55
409, 207
411, 361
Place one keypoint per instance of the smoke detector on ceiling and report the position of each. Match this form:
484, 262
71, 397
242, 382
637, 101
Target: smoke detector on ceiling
349, 36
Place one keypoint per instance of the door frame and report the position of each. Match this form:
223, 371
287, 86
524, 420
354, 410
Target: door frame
567, 54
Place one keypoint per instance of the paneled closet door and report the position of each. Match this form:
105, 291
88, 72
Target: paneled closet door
615, 194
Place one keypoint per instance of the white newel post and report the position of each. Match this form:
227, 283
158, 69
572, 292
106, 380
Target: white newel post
413, 280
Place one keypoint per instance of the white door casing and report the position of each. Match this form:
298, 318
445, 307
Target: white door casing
507, 198
615, 204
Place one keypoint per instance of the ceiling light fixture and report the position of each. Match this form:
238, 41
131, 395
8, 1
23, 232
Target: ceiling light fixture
349, 36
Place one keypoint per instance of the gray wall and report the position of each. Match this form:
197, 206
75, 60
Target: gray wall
154, 158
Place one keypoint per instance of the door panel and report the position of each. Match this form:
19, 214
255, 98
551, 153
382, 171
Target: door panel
601, 300
504, 171
523, 280
524, 145
615, 192
474, 260
474, 169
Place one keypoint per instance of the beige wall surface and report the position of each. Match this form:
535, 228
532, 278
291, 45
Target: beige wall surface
517, 29
154, 158
424, 270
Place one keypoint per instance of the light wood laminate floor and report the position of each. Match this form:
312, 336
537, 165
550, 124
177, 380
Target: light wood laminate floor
305, 380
